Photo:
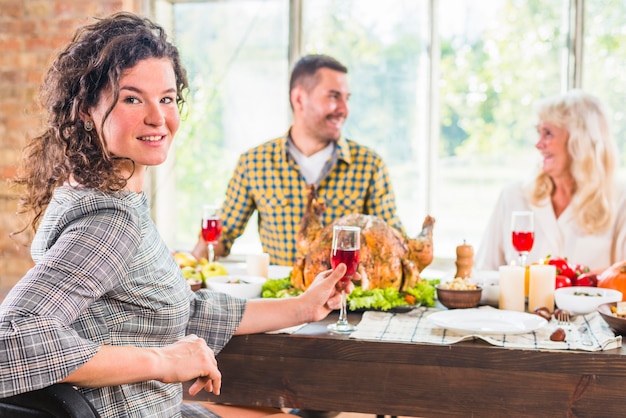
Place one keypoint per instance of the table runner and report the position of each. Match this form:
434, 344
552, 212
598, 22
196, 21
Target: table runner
413, 327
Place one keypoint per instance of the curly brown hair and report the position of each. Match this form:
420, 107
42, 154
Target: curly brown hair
93, 61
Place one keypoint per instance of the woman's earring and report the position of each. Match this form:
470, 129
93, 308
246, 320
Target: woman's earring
88, 125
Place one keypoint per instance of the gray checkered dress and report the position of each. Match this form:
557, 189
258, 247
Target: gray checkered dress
103, 275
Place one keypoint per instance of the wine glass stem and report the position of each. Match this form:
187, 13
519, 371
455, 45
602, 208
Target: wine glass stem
522, 258
211, 252
343, 315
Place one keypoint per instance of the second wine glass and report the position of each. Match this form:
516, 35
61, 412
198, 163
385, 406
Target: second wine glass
345, 249
211, 228
522, 234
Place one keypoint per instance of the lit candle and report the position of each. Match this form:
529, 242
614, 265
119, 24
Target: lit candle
512, 288
541, 286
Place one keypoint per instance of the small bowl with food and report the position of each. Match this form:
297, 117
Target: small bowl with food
459, 294
614, 314
242, 286
195, 284
584, 299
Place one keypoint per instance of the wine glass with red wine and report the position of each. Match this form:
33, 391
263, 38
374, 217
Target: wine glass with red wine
211, 228
345, 249
522, 234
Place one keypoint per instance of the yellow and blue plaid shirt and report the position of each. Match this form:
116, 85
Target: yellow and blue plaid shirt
267, 179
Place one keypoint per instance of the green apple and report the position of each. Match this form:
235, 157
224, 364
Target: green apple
191, 273
214, 269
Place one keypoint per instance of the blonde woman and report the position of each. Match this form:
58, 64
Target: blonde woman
579, 209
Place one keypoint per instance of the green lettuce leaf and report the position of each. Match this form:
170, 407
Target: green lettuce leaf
381, 299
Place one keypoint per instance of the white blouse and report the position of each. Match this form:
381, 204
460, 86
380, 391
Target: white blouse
557, 237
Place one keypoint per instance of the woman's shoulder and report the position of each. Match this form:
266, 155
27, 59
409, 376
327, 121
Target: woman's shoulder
76, 202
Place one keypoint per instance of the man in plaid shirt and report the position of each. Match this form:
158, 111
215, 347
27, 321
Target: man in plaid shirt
274, 177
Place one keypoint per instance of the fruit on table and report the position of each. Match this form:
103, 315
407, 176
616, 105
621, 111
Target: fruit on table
562, 267
184, 259
190, 272
578, 274
614, 277
198, 269
587, 279
214, 269
562, 281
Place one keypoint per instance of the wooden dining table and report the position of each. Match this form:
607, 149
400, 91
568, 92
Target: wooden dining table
314, 369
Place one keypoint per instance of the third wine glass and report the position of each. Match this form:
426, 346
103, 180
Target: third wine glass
211, 228
522, 234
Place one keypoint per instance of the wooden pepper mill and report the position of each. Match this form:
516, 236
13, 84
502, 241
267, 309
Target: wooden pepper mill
464, 260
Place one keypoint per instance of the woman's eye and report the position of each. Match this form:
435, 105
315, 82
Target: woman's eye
131, 99
168, 100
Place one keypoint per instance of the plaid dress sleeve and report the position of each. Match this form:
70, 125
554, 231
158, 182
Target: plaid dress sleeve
79, 255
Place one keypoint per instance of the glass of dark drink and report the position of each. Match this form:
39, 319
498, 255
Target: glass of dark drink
211, 228
522, 234
345, 249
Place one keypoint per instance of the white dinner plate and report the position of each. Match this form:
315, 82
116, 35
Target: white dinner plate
487, 321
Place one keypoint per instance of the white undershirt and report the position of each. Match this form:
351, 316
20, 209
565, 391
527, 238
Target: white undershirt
311, 167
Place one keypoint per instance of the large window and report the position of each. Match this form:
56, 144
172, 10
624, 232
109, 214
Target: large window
445, 95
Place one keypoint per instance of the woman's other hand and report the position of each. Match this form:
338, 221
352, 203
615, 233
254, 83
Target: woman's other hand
191, 358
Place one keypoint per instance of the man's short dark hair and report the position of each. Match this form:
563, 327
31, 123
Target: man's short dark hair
307, 66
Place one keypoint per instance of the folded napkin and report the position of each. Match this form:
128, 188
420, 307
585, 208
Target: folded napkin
413, 327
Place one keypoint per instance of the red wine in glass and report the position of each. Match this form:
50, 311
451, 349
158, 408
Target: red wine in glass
348, 256
523, 240
522, 233
211, 228
345, 249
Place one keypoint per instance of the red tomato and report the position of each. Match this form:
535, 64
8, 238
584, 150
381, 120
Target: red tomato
580, 269
562, 281
562, 267
587, 279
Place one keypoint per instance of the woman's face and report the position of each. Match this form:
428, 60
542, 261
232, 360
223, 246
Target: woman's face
145, 118
552, 144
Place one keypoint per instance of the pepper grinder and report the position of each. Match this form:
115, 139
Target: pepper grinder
464, 260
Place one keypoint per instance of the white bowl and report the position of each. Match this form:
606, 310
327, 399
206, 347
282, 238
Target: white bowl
242, 286
489, 280
584, 299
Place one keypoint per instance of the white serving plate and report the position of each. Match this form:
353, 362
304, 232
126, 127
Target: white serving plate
487, 321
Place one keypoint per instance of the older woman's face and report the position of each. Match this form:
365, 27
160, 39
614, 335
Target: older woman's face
552, 144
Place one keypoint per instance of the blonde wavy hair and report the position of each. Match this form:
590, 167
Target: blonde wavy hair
594, 157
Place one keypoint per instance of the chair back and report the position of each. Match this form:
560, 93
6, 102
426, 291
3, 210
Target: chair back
60, 400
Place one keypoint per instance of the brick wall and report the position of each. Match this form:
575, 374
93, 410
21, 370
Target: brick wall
31, 31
